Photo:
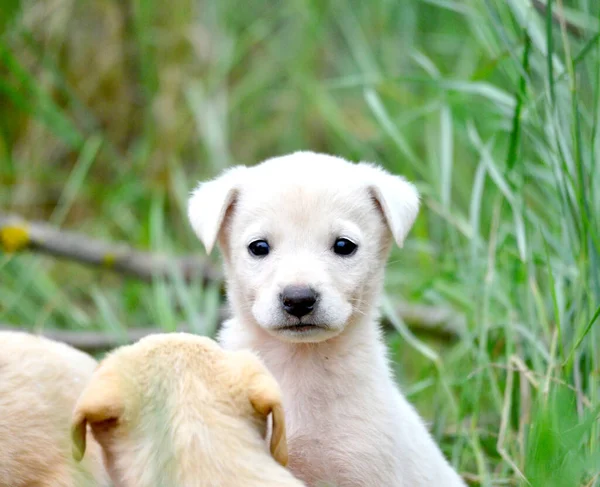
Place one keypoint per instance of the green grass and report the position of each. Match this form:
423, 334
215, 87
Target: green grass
111, 111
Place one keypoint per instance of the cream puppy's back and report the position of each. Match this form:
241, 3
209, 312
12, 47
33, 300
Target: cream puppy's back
177, 410
40, 381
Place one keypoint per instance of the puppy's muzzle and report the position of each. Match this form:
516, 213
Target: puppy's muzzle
298, 300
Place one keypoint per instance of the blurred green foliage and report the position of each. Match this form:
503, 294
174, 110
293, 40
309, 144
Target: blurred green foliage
111, 110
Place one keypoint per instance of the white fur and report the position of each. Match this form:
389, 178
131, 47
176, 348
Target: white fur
348, 423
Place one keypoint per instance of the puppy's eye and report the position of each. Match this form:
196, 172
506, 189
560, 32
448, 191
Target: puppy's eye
343, 246
259, 248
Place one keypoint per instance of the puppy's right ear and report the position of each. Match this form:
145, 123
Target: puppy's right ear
100, 401
265, 397
209, 203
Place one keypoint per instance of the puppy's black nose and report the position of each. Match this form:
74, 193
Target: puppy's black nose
298, 300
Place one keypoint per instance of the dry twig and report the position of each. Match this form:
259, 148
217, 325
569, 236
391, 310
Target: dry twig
428, 320
18, 234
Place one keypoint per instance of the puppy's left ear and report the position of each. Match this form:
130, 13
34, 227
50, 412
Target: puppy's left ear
209, 202
265, 397
399, 202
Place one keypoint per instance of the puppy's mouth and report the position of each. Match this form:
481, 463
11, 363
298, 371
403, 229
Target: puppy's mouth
301, 327
297, 331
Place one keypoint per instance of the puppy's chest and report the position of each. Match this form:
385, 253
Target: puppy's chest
343, 455
331, 436
311, 394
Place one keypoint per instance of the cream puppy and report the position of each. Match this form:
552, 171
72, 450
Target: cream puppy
305, 238
40, 381
178, 410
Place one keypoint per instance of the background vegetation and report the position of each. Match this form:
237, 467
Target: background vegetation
111, 110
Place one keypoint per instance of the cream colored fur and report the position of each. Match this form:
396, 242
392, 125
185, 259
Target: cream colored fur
40, 381
176, 410
348, 423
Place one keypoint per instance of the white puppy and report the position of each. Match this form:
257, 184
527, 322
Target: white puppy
305, 238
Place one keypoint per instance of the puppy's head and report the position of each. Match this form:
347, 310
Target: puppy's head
167, 409
305, 238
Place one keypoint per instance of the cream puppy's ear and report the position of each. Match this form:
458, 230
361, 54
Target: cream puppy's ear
398, 199
265, 397
100, 401
209, 202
